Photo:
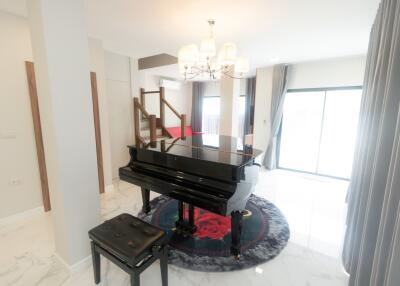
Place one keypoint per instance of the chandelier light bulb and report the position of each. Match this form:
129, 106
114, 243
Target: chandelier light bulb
208, 48
188, 55
227, 54
242, 65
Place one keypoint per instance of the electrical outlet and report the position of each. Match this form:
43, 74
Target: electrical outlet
15, 182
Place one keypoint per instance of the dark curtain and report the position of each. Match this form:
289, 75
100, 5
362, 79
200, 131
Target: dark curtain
197, 106
250, 101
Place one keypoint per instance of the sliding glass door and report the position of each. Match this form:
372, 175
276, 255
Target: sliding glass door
318, 131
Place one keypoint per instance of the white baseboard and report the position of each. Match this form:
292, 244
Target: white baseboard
76, 267
22, 215
109, 188
87, 261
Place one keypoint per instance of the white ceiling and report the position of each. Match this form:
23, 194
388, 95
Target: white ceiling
265, 31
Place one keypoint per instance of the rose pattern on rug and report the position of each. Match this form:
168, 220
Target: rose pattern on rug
210, 225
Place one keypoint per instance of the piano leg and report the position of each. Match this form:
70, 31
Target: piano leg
181, 212
183, 226
236, 232
191, 216
146, 200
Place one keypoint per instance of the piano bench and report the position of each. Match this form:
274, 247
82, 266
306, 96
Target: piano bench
131, 244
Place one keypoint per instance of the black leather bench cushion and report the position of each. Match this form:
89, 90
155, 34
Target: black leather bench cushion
128, 237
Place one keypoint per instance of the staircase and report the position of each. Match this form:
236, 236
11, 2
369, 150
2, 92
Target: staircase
145, 131
149, 128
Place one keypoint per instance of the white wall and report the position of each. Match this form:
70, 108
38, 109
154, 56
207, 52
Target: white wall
120, 108
18, 161
97, 65
325, 73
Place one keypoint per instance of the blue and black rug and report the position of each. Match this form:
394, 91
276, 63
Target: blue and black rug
265, 233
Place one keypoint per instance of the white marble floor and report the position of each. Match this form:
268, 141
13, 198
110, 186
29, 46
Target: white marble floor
314, 207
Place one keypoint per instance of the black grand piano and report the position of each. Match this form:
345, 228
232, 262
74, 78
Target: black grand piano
205, 171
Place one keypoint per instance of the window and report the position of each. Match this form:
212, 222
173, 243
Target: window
211, 112
318, 131
211, 115
241, 114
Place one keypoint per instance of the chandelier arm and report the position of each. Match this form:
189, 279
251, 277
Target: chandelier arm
198, 68
232, 76
193, 76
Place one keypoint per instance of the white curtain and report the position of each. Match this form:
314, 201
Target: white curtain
279, 88
371, 253
211, 124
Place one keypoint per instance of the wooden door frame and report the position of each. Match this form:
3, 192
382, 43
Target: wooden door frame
37, 127
97, 130
33, 96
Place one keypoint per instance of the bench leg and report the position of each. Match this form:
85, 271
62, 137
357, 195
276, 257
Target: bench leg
96, 263
236, 233
164, 266
135, 279
146, 200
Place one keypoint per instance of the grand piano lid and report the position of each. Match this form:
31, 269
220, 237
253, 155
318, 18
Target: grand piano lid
212, 148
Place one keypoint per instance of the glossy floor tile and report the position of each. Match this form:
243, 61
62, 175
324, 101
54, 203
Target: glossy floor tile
314, 207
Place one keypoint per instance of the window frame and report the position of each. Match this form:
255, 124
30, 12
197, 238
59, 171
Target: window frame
319, 89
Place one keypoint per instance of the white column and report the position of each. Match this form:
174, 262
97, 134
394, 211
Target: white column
61, 56
230, 89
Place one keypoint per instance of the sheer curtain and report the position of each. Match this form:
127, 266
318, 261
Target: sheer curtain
211, 110
371, 253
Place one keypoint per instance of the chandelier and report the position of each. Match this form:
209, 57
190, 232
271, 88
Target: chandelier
205, 64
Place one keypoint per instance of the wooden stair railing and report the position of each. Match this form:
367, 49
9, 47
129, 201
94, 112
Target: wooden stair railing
160, 122
182, 117
137, 107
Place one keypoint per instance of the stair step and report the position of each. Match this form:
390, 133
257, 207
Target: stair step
145, 128
159, 137
146, 132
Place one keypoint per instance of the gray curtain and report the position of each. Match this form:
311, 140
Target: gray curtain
279, 88
197, 106
371, 252
250, 101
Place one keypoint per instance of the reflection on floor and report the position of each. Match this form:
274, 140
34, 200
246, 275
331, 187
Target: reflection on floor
313, 205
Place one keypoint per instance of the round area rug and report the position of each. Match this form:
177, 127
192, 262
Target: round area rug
265, 233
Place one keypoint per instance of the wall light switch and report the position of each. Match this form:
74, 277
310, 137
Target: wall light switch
15, 182
7, 135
